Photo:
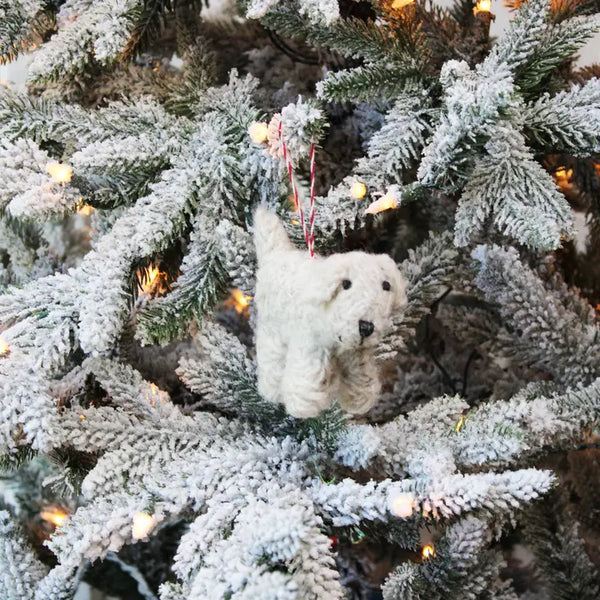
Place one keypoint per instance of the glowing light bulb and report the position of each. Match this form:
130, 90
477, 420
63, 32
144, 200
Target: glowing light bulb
153, 394
4, 347
143, 523
403, 505
482, 6
60, 172
149, 277
358, 190
384, 203
56, 516
239, 302
258, 132
428, 551
401, 3
562, 176
85, 210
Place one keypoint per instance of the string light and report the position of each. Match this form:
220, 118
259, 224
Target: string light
239, 302
358, 190
384, 203
143, 523
482, 6
153, 395
85, 210
428, 551
401, 3
60, 172
258, 132
4, 347
56, 516
562, 176
459, 425
148, 278
403, 505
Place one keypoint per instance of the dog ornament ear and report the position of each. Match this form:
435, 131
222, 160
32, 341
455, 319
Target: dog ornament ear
326, 279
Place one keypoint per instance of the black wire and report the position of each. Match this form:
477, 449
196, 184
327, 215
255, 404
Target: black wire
472, 356
291, 52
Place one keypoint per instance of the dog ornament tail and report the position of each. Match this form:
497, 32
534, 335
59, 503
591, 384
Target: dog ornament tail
269, 234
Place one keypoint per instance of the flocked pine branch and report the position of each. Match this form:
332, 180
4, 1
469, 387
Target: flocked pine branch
18, 19
430, 271
567, 122
96, 33
21, 570
30, 192
461, 565
549, 332
496, 433
565, 568
202, 283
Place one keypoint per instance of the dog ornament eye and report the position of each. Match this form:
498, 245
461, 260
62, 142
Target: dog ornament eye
346, 284
386, 286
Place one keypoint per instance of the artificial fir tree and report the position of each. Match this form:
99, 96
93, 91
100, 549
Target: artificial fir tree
135, 445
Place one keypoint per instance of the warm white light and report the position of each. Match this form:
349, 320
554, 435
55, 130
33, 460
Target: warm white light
401, 3
142, 525
482, 6
153, 395
149, 277
384, 203
85, 210
358, 190
258, 132
428, 551
4, 347
238, 301
403, 505
60, 172
56, 516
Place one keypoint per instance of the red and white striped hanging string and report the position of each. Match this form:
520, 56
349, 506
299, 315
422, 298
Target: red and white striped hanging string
309, 233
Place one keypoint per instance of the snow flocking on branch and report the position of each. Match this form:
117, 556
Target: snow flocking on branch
29, 189
258, 502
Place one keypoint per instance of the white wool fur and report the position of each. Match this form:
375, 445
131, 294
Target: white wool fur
309, 348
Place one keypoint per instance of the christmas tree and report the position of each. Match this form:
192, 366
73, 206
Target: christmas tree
139, 456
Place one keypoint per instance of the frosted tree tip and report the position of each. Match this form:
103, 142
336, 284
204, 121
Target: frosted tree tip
479, 253
60, 172
143, 523
403, 505
258, 132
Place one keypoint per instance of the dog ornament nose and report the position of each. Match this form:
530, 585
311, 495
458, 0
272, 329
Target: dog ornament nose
365, 328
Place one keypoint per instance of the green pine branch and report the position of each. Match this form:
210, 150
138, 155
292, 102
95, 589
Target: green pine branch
371, 82
194, 295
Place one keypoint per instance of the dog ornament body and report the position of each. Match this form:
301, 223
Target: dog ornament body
319, 320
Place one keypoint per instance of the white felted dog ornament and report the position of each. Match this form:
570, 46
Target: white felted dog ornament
319, 320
